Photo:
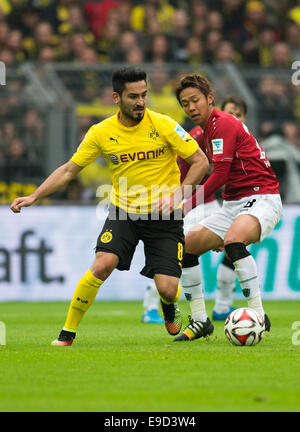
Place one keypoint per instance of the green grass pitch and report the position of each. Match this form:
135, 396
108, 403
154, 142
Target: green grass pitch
118, 364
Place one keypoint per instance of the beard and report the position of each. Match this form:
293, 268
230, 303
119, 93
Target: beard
132, 114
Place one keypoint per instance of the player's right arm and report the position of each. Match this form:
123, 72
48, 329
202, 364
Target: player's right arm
56, 180
86, 153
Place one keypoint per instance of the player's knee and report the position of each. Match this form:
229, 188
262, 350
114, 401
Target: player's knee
103, 265
167, 290
227, 263
236, 251
190, 260
101, 271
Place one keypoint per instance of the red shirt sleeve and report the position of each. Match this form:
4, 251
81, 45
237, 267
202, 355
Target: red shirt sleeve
197, 134
183, 166
217, 179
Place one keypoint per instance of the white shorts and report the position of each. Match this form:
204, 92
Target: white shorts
267, 209
197, 214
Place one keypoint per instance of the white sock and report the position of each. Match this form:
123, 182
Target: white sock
192, 288
226, 283
256, 304
246, 271
151, 298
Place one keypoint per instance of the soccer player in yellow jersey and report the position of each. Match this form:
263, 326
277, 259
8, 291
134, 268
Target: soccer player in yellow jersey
140, 147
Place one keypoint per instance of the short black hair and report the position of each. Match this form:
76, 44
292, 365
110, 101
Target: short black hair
197, 81
237, 101
127, 74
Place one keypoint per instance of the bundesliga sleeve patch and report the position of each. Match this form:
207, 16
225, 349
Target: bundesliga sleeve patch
181, 132
78, 148
217, 146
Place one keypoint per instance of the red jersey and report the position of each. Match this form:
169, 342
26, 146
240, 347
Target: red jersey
238, 161
228, 142
197, 134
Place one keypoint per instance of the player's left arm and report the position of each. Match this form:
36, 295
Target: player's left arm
223, 145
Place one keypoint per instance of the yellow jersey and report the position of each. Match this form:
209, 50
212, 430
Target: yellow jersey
142, 159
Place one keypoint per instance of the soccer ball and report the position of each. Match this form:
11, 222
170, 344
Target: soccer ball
244, 326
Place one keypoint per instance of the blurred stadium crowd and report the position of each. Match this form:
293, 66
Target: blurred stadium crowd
250, 34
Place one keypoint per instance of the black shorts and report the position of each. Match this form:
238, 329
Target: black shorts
163, 242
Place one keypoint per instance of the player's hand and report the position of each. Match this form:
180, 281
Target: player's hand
165, 206
168, 204
21, 202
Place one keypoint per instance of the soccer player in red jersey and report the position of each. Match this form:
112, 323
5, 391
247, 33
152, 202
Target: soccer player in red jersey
226, 276
252, 205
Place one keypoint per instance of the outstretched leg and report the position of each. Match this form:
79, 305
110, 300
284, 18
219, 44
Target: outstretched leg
85, 294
